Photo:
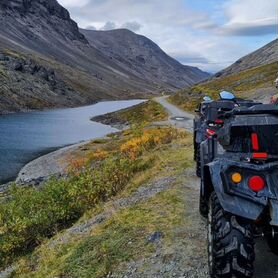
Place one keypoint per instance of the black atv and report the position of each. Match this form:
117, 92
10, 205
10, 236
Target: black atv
208, 121
239, 188
198, 122
208, 118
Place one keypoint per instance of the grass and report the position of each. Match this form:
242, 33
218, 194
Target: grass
144, 113
242, 84
2, 71
138, 117
14, 54
30, 215
149, 112
125, 236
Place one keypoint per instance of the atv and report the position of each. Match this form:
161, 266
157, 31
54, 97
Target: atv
199, 119
207, 118
239, 188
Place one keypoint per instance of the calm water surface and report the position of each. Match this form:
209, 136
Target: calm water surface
26, 136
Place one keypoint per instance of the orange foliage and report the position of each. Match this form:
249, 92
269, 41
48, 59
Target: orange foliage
99, 155
149, 139
76, 165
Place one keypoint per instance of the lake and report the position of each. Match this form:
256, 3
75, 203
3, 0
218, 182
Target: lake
26, 136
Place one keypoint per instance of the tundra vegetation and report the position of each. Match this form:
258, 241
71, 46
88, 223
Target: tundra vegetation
246, 84
31, 217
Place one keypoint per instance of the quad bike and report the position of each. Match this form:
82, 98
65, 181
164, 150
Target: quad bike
207, 118
199, 119
239, 188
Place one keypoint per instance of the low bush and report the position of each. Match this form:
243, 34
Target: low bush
30, 215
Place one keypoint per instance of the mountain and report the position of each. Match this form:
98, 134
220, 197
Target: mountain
250, 77
263, 56
45, 61
143, 58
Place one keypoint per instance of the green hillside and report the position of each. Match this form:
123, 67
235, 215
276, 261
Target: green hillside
253, 83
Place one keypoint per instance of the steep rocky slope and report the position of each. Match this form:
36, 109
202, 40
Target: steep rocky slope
250, 77
143, 58
263, 56
41, 31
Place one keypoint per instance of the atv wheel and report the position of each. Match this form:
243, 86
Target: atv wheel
273, 246
272, 241
203, 207
195, 145
230, 243
198, 161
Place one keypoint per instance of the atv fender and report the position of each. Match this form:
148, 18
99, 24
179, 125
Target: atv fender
235, 204
273, 209
201, 133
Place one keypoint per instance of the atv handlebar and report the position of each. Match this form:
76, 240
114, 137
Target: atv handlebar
254, 110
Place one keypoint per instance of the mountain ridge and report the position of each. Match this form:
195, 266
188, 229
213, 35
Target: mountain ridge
143, 56
44, 32
265, 55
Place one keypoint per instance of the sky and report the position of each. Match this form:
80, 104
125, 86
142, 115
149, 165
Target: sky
209, 34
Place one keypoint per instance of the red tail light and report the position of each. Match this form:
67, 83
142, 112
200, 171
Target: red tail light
260, 156
219, 122
257, 183
255, 141
210, 133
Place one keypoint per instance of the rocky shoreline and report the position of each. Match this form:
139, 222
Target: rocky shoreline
56, 163
43, 168
113, 120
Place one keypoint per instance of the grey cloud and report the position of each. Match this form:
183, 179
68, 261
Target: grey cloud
206, 25
133, 26
192, 60
248, 30
91, 27
109, 25
187, 57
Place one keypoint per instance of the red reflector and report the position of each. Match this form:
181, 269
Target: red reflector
210, 132
219, 122
256, 183
255, 141
260, 156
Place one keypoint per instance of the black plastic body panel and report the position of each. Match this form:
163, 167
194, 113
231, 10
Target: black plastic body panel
239, 199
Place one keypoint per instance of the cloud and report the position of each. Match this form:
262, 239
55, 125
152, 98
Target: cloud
210, 35
133, 26
255, 28
109, 25
91, 27
188, 57
73, 3
250, 18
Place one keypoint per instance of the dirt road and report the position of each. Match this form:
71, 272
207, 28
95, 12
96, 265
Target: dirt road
266, 264
177, 117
